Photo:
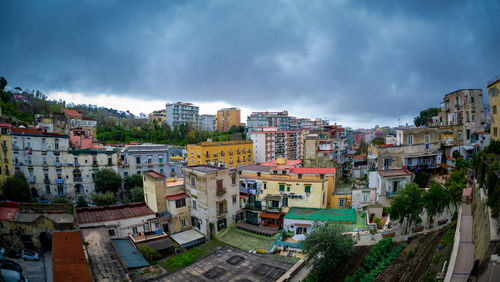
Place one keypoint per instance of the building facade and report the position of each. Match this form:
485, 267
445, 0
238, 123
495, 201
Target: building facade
6, 155
229, 154
493, 93
319, 151
182, 113
270, 144
158, 116
215, 197
226, 118
136, 159
208, 122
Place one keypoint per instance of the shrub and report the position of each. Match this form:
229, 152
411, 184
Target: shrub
81, 202
149, 253
102, 199
422, 178
61, 200
379, 222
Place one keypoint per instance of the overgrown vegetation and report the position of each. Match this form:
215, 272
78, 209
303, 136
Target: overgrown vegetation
485, 166
425, 116
149, 253
408, 205
377, 259
103, 199
186, 258
107, 180
326, 247
16, 188
422, 178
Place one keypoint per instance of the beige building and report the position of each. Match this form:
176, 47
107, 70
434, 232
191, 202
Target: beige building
416, 148
462, 113
226, 118
167, 197
6, 155
215, 197
493, 93
318, 151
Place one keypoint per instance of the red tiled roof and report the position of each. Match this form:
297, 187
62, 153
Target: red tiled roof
72, 113
306, 170
5, 124
360, 157
271, 215
287, 163
154, 174
68, 259
32, 131
8, 210
176, 196
394, 172
112, 212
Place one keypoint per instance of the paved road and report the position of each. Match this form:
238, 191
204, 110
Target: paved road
465, 256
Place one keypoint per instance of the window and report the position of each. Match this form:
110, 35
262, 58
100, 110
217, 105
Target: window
299, 176
258, 173
221, 208
426, 139
160, 158
138, 159
341, 202
387, 162
265, 186
221, 225
233, 179
410, 140
234, 199
111, 232
125, 174
366, 197
157, 225
150, 159
468, 134
220, 186
196, 222
307, 188
195, 204
495, 131
321, 176
473, 117
47, 189
180, 203
44, 160
494, 109
193, 181
138, 172
183, 223
134, 230
459, 136
288, 188
301, 230
282, 187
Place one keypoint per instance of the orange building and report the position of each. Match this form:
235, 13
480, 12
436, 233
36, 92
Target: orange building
226, 118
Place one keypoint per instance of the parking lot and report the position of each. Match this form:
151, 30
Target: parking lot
37, 271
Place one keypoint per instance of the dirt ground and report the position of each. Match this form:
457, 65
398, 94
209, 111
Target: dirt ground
347, 268
414, 260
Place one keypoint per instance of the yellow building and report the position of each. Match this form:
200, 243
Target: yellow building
230, 154
159, 116
341, 198
277, 188
493, 92
6, 155
226, 118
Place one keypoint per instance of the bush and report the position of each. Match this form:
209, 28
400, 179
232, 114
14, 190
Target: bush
137, 194
102, 199
149, 253
422, 178
61, 200
107, 180
16, 188
379, 222
81, 202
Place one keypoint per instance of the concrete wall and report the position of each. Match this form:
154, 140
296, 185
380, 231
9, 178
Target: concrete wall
484, 229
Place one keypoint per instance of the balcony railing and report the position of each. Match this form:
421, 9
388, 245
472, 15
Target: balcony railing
46, 181
59, 181
392, 194
221, 191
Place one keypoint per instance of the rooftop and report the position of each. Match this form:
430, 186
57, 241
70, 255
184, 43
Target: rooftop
32, 131
112, 212
68, 259
155, 174
347, 215
260, 168
8, 210
72, 113
129, 254
306, 170
225, 143
205, 168
282, 163
187, 236
359, 157
394, 172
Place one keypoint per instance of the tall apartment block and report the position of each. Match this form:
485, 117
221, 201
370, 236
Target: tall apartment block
493, 92
179, 113
462, 114
226, 118
281, 120
207, 122
271, 143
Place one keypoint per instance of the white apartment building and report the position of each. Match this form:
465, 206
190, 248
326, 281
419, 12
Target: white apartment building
179, 113
207, 122
270, 144
137, 159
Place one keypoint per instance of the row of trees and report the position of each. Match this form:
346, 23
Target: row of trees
410, 204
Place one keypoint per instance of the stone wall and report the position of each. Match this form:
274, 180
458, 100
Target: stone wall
484, 228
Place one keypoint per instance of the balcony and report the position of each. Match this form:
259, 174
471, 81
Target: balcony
76, 164
392, 194
58, 164
46, 181
77, 179
32, 179
4, 146
60, 181
15, 147
221, 191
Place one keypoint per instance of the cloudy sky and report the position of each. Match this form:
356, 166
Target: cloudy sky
357, 63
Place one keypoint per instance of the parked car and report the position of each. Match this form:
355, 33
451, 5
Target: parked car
13, 253
29, 255
12, 275
8, 264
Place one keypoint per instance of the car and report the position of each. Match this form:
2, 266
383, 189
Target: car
13, 253
8, 264
29, 255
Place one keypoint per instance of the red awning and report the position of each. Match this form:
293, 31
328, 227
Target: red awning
176, 196
242, 196
271, 215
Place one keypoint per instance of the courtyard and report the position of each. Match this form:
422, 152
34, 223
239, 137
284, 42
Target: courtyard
245, 240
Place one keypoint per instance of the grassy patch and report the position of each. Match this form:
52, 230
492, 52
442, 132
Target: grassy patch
245, 240
184, 259
448, 237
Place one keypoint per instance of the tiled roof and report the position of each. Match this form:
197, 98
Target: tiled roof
5, 124
33, 131
359, 157
255, 168
8, 210
72, 113
394, 172
112, 212
155, 174
287, 163
305, 170
68, 259
176, 196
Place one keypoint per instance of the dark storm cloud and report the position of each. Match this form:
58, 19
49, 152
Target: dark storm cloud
363, 59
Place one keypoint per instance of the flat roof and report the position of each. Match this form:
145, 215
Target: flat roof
68, 259
348, 215
230, 264
187, 236
112, 212
394, 172
260, 168
129, 254
205, 168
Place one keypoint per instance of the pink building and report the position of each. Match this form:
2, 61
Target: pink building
80, 138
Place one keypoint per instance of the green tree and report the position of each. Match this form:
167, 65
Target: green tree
149, 253
435, 201
326, 247
16, 188
422, 178
363, 148
425, 116
81, 202
132, 181
61, 200
3, 83
137, 194
107, 180
455, 185
408, 205
103, 199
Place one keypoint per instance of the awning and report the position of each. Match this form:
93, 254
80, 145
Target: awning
176, 197
271, 215
242, 196
302, 224
187, 238
272, 197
